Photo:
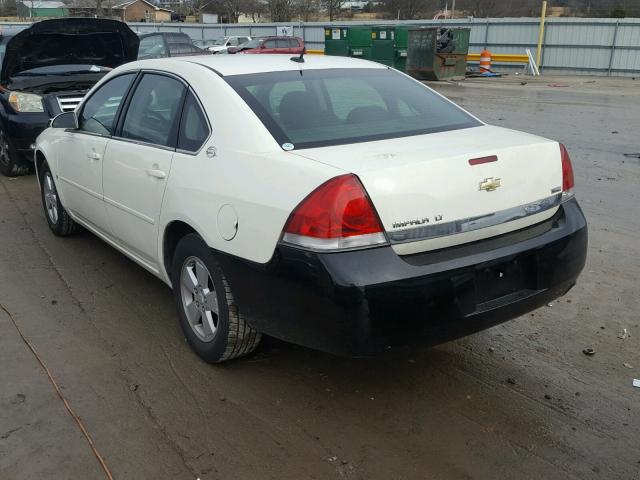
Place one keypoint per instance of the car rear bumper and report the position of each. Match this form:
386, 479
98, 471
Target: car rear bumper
357, 302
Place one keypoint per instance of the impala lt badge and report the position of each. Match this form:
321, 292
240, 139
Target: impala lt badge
490, 184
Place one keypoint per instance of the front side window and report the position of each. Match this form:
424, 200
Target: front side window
99, 112
338, 106
153, 111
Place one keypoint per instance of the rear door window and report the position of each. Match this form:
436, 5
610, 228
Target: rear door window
194, 129
153, 113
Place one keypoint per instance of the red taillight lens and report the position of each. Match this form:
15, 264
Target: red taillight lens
567, 170
337, 214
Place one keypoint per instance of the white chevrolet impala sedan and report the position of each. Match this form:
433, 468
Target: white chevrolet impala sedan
331, 202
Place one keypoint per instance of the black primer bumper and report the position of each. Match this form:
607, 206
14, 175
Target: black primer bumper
22, 129
355, 303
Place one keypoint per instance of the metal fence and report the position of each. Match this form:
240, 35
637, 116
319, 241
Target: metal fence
587, 46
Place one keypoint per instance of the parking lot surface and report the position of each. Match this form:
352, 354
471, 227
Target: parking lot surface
520, 400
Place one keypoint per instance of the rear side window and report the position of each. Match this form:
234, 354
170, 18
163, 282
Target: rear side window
153, 113
194, 129
99, 112
337, 106
152, 47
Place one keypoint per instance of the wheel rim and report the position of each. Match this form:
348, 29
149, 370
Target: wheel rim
199, 298
4, 150
50, 198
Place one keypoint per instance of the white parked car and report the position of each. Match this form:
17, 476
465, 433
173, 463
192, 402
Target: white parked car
334, 203
222, 44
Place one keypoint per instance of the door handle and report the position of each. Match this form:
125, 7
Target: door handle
94, 156
156, 173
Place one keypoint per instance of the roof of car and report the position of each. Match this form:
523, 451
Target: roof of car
240, 64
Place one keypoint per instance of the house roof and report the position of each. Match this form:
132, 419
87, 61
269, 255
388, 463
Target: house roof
124, 6
43, 4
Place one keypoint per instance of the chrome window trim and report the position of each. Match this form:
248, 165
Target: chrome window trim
470, 224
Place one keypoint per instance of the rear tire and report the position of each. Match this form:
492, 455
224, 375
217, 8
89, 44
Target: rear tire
10, 163
60, 223
209, 317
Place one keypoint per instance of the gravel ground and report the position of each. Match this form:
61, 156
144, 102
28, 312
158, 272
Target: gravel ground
520, 400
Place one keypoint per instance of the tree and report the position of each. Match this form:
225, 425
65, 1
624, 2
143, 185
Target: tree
305, 9
618, 12
333, 8
411, 9
255, 9
280, 10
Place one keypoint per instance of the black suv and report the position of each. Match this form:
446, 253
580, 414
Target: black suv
46, 70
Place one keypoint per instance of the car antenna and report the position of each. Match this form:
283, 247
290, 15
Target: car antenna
299, 59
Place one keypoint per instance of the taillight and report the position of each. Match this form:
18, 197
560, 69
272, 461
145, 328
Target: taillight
338, 214
567, 174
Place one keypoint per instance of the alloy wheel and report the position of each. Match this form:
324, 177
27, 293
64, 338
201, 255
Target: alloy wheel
50, 198
199, 298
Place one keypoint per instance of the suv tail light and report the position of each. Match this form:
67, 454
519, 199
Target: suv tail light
567, 174
336, 215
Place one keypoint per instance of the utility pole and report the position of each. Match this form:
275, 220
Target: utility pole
453, 9
543, 16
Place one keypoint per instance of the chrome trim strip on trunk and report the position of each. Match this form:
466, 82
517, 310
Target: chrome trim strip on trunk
474, 223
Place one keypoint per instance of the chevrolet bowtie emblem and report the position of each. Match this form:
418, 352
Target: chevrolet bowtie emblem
490, 184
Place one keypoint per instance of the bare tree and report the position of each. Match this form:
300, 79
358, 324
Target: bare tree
411, 9
305, 9
280, 10
333, 8
256, 9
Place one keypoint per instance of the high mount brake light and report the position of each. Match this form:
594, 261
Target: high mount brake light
336, 215
567, 174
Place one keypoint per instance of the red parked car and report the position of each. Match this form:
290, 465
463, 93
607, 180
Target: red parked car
291, 45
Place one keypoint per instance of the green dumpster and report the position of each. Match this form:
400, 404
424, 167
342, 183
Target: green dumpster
400, 50
382, 44
336, 41
437, 53
360, 42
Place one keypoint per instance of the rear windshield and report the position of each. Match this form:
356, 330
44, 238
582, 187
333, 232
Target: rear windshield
314, 108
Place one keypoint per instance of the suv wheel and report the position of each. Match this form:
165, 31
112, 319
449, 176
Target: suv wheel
209, 317
10, 165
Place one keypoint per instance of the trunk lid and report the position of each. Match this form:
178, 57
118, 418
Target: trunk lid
70, 41
429, 196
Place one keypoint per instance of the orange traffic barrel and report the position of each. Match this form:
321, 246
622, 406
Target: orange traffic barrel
485, 61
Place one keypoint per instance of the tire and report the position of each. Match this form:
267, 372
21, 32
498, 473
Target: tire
10, 163
60, 223
209, 317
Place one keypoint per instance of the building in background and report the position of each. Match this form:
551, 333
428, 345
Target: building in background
41, 9
141, 11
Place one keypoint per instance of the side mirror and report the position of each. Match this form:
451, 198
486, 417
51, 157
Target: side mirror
64, 120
